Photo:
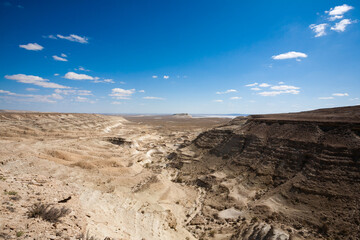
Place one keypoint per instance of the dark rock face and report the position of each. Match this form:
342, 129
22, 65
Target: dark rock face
305, 174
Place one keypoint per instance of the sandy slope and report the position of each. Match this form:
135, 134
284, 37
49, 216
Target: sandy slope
113, 169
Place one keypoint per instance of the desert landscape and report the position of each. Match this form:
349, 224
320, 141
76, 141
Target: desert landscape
285, 176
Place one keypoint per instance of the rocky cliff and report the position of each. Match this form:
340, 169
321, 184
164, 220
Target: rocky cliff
280, 176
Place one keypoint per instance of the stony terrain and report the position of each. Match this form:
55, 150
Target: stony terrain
114, 170
279, 176
289, 176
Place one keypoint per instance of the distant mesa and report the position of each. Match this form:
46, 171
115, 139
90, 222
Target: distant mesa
182, 115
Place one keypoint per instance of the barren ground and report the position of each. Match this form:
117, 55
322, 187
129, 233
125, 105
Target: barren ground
114, 170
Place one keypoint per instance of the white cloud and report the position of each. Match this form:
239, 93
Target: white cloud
154, 98
275, 93
50, 36
218, 100
38, 81
56, 74
27, 97
333, 18
251, 85
116, 103
255, 89
119, 93
97, 80
7, 92
319, 29
76, 76
166, 77
339, 10
56, 58
32, 47
141, 91
154, 76
81, 99
74, 38
31, 89
82, 69
284, 87
281, 83
63, 55
108, 80
340, 94
289, 55
341, 26
235, 98
227, 91
326, 98
56, 96
264, 85
74, 92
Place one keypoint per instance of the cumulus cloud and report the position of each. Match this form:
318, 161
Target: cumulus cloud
74, 38
166, 77
333, 18
32, 47
340, 94
141, 91
154, 76
341, 26
76, 76
326, 98
255, 89
251, 85
339, 10
227, 91
264, 85
319, 29
154, 98
56, 74
36, 80
281, 83
56, 58
119, 93
235, 98
63, 55
289, 55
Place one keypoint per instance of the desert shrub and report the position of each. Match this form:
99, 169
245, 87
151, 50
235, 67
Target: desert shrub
87, 236
19, 233
46, 212
12, 193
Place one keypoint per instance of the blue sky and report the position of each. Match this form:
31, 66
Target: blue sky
179, 56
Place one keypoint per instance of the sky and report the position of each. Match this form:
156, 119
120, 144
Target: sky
202, 56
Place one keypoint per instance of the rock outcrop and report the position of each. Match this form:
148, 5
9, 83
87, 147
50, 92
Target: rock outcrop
291, 176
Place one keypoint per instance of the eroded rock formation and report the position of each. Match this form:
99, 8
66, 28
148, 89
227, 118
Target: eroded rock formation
290, 176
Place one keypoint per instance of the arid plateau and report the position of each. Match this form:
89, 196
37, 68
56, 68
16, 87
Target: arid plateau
278, 176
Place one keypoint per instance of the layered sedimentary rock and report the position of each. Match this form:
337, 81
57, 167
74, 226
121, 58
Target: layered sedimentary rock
289, 176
